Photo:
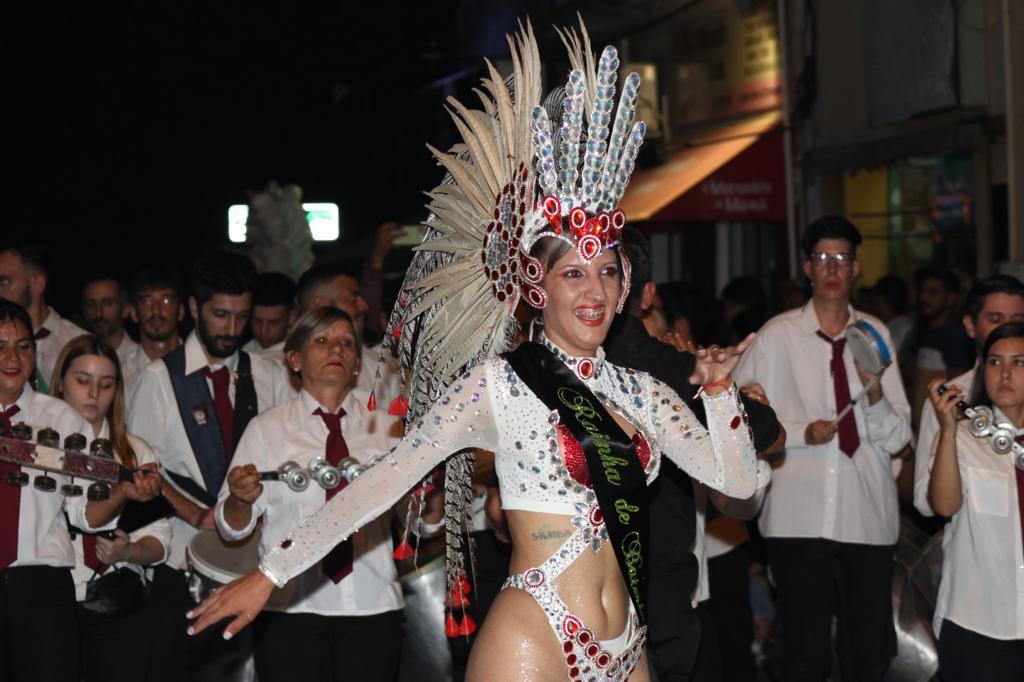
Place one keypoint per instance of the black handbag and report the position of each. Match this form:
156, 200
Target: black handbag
117, 593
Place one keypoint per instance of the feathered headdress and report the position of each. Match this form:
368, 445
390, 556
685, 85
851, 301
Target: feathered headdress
507, 186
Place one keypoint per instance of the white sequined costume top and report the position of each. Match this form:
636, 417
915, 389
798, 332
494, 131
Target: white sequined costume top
489, 407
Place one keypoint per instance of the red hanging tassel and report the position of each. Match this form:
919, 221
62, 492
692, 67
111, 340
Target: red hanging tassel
404, 551
425, 489
451, 628
468, 625
371, 404
456, 599
398, 407
464, 584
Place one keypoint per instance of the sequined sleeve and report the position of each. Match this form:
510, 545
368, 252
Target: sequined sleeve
462, 418
721, 456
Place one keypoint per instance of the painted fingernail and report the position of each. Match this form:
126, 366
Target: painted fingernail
227, 635
190, 630
189, 615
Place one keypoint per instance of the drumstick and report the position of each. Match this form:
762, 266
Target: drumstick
867, 387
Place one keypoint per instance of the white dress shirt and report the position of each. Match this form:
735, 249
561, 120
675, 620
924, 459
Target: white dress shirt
153, 415
389, 386
291, 431
818, 491
927, 433
47, 349
159, 529
128, 357
982, 586
253, 346
43, 538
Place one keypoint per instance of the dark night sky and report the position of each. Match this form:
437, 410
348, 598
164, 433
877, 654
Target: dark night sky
136, 124
139, 124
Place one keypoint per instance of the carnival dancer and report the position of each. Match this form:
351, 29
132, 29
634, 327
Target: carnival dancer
830, 519
192, 407
116, 639
38, 623
979, 613
350, 609
576, 438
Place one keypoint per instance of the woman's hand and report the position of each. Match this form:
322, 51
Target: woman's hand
144, 486
945, 404
716, 363
244, 483
114, 551
243, 599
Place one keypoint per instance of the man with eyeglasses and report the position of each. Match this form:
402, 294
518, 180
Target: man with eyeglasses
830, 518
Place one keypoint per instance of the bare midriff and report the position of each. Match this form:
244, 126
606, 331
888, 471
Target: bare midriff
516, 642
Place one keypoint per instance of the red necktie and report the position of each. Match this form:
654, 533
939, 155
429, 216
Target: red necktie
849, 441
89, 550
41, 333
222, 403
10, 500
338, 563
1020, 490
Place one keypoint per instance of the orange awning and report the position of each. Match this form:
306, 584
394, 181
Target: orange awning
652, 190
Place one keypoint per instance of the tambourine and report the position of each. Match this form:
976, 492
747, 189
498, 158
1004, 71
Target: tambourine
1001, 435
868, 347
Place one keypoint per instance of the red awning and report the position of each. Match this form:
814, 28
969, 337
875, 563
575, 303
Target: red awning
734, 172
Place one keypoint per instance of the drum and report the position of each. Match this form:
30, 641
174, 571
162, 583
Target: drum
915, 588
425, 654
868, 347
212, 562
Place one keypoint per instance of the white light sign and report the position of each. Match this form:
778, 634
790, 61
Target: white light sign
324, 221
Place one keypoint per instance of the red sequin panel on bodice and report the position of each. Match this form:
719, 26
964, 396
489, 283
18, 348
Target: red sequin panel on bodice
576, 460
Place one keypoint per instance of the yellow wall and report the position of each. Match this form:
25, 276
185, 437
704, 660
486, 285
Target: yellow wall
865, 203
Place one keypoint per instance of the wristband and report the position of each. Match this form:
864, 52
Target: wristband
724, 383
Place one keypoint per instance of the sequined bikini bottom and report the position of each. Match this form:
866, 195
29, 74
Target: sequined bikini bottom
587, 658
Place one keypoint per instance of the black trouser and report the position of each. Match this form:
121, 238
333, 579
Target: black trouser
673, 629
176, 655
38, 625
115, 649
307, 646
727, 622
965, 655
815, 577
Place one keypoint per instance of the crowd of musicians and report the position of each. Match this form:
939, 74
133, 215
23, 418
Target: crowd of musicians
276, 370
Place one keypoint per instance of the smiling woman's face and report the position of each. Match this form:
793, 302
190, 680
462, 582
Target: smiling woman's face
17, 359
329, 357
581, 301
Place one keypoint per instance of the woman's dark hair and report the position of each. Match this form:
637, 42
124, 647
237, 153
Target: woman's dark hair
12, 312
221, 272
1010, 330
87, 344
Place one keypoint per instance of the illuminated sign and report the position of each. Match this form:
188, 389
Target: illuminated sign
324, 221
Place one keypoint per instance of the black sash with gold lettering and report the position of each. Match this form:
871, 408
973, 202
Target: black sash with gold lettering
618, 477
